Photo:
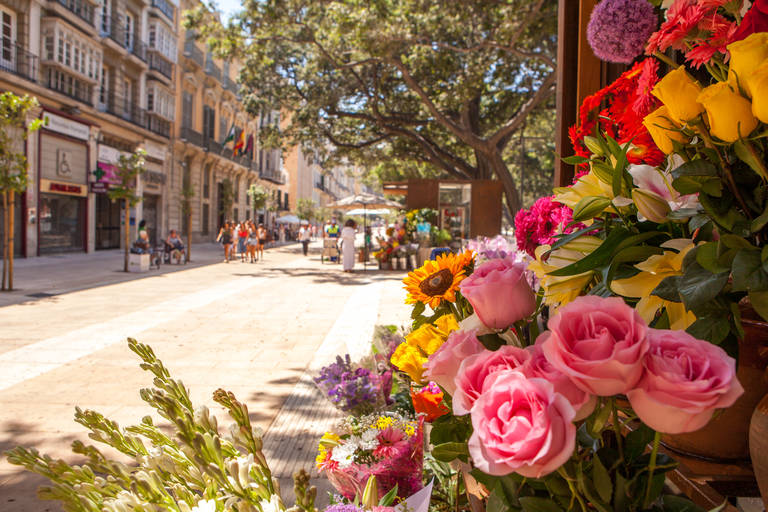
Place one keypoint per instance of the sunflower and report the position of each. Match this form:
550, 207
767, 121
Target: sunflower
437, 280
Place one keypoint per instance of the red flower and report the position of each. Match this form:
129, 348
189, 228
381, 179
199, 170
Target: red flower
429, 401
756, 20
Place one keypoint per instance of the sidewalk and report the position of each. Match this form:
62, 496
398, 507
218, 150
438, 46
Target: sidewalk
46, 276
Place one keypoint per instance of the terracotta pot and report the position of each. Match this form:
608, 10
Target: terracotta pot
726, 436
758, 446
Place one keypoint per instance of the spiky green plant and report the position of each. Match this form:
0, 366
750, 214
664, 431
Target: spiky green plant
195, 469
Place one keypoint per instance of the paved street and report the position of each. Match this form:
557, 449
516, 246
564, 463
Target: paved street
250, 328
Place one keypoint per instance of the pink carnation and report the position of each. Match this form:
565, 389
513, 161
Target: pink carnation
539, 225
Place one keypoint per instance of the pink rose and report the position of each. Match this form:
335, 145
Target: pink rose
539, 366
599, 343
443, 365
685, 380
472, 374
521, 425
499, 292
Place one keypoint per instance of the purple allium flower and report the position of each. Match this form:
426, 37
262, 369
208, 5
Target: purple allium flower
619, 29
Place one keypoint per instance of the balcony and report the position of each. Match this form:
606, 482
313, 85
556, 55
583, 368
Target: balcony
158, 125
273, 175
213, 146
68, 85
192, 52
191, 136
165, 7
231, 86
158, 62
22, 63
112, 27
212, 69
126, 109
82, 8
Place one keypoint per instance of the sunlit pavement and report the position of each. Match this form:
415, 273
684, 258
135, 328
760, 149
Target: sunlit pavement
249, 328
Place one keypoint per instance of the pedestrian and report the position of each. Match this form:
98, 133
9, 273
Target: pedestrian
348, 245
332, 231
253, 242
175, 246
261, 232
225, 239
304, 237
242, 238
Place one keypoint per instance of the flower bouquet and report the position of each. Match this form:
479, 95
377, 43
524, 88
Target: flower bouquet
353, 388
389, 446
560, 418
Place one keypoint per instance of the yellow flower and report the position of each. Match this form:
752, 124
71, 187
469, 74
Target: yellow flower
383, 422
437, 280
329, 439
663, 130
653, 271
588, 185
560, 290
408, 359
746, 56
730, 114
758, 83
446, 324
426, 338
678, 92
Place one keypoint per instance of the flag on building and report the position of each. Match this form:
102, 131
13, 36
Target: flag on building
240, 144
248, 145
230, 135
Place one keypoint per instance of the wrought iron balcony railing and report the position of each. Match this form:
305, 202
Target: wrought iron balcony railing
165, 7
68, 84
273, 175
17, 60
159, 63
82, 8
194, 53
211, 69
192, 136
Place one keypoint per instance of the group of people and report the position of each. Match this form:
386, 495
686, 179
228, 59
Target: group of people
245, 239
173, 245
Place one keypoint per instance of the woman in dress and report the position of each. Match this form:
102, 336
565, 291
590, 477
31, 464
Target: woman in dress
242, 237
348, 245
225, 238
253, 242
261, 233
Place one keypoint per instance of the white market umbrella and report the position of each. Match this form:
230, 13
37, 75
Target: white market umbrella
363, 211
287, 219
367, 201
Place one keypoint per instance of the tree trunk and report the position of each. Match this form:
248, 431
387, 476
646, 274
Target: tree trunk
127, 236
495, 162
188, 252
11, 228
5, 237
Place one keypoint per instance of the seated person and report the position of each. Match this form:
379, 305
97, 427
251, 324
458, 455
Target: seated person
141, 245
175, 245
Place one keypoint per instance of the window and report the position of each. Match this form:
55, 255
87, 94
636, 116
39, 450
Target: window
128, 91
129, 27
223, 126
187, 109
105, 11
163, 40
67, 47
160, 102
209, 122
7, 37
104, 88
207, 181
206, 218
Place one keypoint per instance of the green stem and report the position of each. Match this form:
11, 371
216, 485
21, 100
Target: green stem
617, 427
651, 469
666, 60
574, 491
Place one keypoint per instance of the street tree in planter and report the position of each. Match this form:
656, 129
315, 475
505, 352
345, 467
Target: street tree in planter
306, 209
227, 199
13, 168
129, 168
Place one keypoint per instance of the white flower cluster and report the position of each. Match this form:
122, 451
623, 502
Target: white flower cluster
344, 454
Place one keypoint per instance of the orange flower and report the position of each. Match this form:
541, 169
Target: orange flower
437, 280
429, 401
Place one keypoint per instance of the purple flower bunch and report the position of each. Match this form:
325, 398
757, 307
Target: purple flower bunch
354, 390
618, 29
490, 248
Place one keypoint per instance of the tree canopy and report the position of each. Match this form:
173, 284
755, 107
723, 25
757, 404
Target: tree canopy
443, 83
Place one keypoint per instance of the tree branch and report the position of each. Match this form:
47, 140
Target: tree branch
505, 131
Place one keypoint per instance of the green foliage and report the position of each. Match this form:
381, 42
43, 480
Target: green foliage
408, 81
168, 471
13, 162
258, 197
227, 198
306, 209
129, 168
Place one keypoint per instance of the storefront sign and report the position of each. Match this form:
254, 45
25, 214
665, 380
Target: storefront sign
153, 178
99, 187
66, 126
110, 155
154, 151
60, 187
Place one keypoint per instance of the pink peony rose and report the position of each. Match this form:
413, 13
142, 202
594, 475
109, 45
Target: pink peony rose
521, 425
474, 370
599, 343
685, 380
443, 365
539, 366
499, 292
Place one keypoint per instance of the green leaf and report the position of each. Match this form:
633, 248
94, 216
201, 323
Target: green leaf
735, 242
575, 160
602, 480
603, 171
679, 504
669, 289
564, 239
760, 222
637, 441
534, 504
747, 154
496, 503
596, 258
707, 257
695, 168
712, 328
711, 185
589, 207
698, 285
447, 452
597, 420
620, 494
748, 271
759, 301
388, 498
418, 309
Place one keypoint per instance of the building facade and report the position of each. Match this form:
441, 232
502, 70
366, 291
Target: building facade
112, 76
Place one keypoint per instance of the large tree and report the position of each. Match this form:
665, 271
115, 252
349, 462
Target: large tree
443, 82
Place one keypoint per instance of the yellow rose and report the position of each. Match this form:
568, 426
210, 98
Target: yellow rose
746, 57
408, 359
678, 91
663, 130
758, 83
730, 114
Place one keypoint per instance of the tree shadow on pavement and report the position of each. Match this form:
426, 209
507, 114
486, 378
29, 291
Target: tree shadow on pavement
332, 275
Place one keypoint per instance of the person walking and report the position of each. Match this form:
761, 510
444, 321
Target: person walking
225, 239
242, 238
261, 233
253, 242
304, 237
348, 245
